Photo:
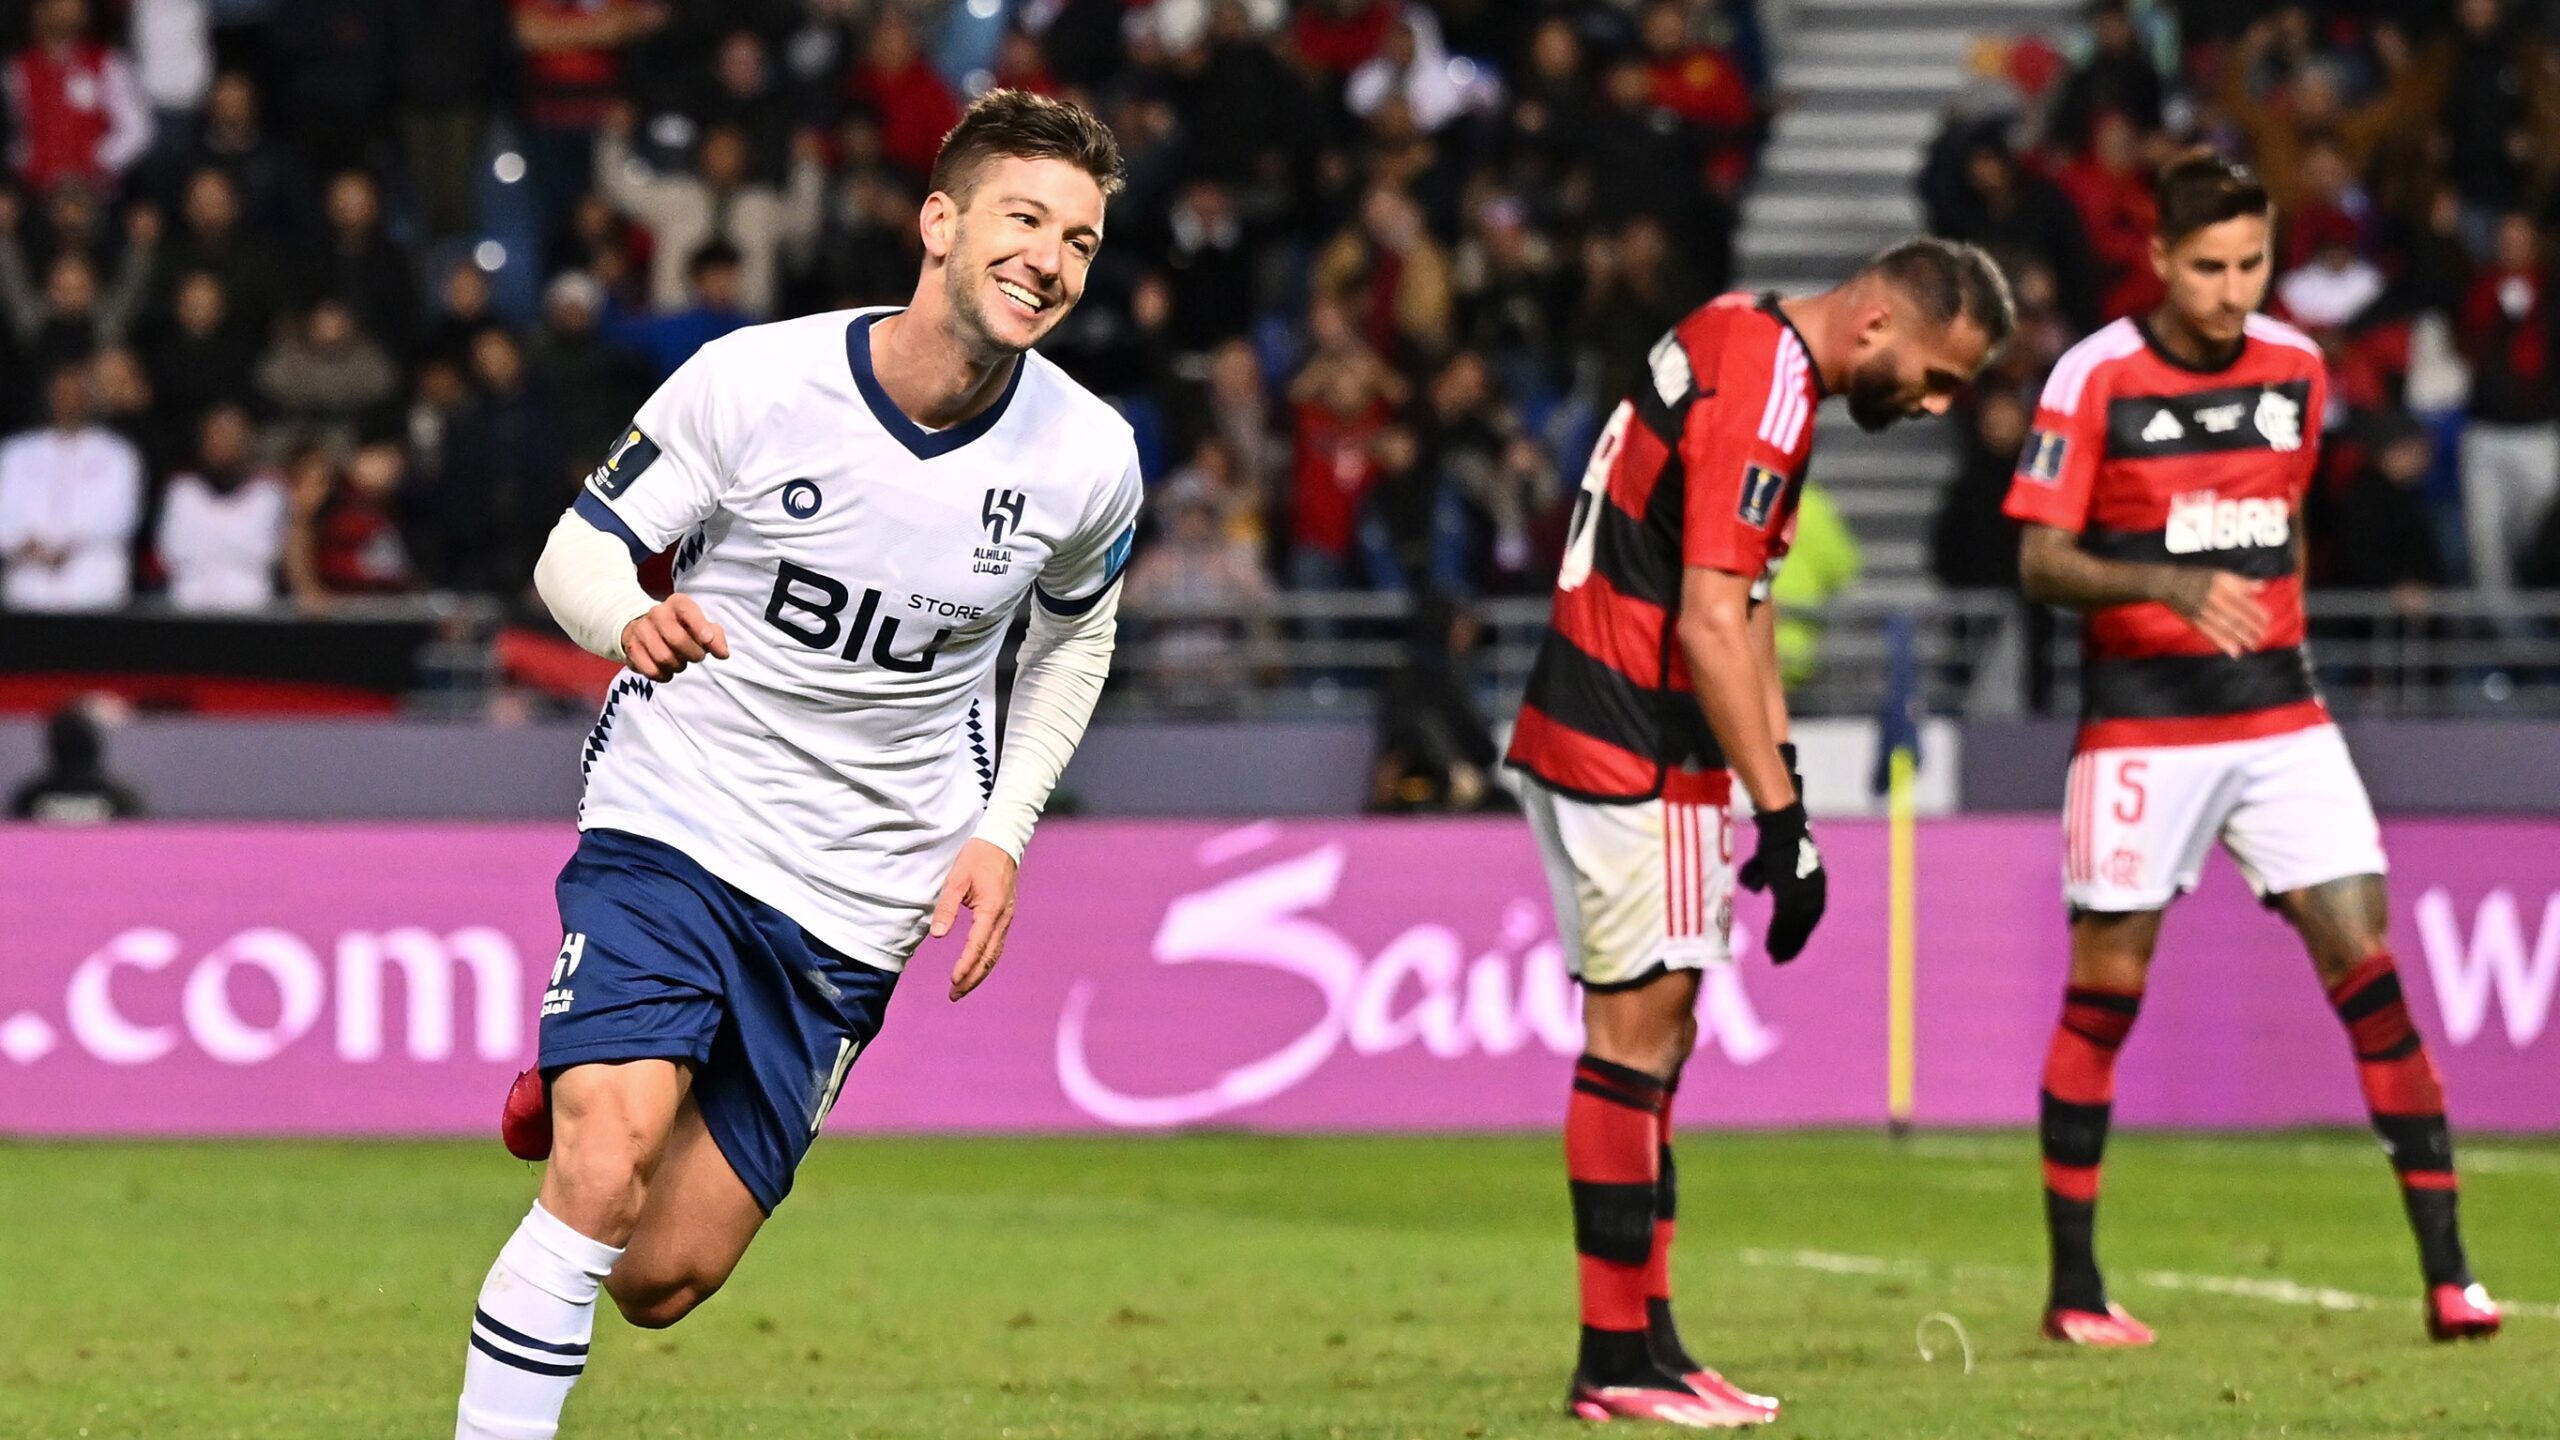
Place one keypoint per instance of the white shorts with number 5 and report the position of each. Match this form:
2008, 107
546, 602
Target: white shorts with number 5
2138, 821
1641, 887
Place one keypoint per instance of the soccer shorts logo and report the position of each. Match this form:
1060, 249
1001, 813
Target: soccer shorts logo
2044, 457
630, 455
1761, 487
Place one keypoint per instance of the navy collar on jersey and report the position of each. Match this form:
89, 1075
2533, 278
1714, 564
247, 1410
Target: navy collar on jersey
1769, 302
922, 443
2142, 324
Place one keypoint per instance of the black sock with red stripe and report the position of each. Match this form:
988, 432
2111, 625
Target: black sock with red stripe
1661, 1330
2407, 1102
1612, 1146
2077, 1100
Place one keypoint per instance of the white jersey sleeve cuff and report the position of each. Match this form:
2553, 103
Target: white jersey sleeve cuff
588, 579
1064, 661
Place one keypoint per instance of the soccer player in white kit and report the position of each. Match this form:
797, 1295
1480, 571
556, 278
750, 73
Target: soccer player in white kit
797, 780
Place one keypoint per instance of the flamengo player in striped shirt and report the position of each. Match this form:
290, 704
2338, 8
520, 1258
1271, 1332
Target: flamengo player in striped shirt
2161, 492
1656, 686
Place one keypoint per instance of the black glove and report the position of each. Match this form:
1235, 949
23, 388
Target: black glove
1750, 872
1789, 867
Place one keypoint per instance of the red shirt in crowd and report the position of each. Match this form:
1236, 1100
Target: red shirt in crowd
1338, 44
1703, 86
1333, 470
76, 113
915, 109
2117, 211
571, 88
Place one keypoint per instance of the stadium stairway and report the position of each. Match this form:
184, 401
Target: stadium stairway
1861, 85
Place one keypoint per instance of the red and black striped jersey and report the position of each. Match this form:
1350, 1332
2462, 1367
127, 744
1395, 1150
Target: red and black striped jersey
2148, 459
1702, 466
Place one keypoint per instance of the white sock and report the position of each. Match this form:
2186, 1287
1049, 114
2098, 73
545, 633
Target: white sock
529, 1337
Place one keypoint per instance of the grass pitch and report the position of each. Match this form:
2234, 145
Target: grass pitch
1228, 1286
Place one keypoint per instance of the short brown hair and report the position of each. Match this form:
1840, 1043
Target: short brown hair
2203, 189
1025, 126
1947, 279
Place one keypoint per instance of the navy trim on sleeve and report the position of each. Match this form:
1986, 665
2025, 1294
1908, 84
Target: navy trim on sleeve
1056, 606
597, 513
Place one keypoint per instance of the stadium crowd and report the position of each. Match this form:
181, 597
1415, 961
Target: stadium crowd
2413, 153
302, 298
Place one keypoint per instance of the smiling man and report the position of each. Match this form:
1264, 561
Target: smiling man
797, 781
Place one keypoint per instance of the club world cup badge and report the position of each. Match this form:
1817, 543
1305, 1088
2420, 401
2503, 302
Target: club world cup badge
2280, 420
632, 453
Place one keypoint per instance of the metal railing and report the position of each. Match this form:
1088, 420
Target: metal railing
1981, 653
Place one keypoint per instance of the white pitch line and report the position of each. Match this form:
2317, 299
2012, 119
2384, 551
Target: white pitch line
2275, 1291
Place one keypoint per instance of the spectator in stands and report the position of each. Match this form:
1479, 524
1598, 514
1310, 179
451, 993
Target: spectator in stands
1501, 480
896, 82
346, 537
203, 356
741, 96
234, 141
1411, 65
1241, 106
1337, 37
1239, 417
1972, 545
573, 70
213, 239
172, 66
715, 278
2111, 189
1633, 290
2494, 88
325, 377
1342, 400
222, 526
1210, 269
721, 202
448, 85
74, 787
2021, 216
1213, 588
439, 395
1548, 129
2386, 537
1513, 292
2307, 105
1412, 525
76, 112
71, 499
464, 308
335, 71
1435, 751
1702, 86
128, 406
868, 245
2511, 448
358, 265
2118, 77
1391, 277
70, 319
504, 481
593, 387
2336, 286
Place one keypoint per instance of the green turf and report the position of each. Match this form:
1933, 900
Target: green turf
1235, 1286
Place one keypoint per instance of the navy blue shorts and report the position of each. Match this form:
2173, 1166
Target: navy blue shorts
662, 960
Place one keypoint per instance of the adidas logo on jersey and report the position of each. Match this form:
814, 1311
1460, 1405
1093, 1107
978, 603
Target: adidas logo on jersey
2202, 520
2164, 427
